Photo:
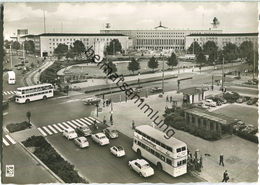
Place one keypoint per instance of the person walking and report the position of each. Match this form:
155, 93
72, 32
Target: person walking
221, 159
170, 99
133, 124
201, 165
167, 98
225, 176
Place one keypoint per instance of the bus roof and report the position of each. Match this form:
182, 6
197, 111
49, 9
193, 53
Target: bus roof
159, 135
33, 86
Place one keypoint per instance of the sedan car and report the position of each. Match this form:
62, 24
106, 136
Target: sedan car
82, 142
252, 101
156, 89
118, 151
111, 133
100, 138
142, 167
84, 130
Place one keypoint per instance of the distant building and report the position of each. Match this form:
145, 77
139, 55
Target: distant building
200, 119
21, 33
193, 94
47, 42
158, 38
221, 39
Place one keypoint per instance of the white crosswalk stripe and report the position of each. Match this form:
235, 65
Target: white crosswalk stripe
58, 128
76, 122
47, 130
5, 142
94, 119
85, 121
89, 120
81, 123
71, 124
42, 132
4, 93
8, 92
63, 128
66, 125
50, 127
10, 139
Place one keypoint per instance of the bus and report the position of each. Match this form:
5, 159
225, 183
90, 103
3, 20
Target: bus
35, 92
11, 77
169, 155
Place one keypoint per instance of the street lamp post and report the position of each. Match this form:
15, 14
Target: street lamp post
222, 85
97, 108
162, 75
11, 58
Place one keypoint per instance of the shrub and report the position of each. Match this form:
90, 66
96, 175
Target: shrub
14, 127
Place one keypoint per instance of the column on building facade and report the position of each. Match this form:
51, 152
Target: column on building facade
214, 126
190, 119
207, 124
196, 121
219, 129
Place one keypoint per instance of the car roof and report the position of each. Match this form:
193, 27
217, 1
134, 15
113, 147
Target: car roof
141, 161
100, 134
69, 129
82, 138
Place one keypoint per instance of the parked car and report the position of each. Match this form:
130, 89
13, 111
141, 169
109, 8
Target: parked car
19, 68
118, 151
252, 101
70, 133
211, 103
91, 101
142, 167
156, 89
82, 142
138, 89
111, 132
84, 130
100, 138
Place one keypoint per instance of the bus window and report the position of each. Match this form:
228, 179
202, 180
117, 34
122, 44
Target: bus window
183, 148
168, 161
178, 150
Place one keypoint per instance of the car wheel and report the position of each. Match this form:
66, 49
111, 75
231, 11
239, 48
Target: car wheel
140, 174
27, 101
44, 97
159, 166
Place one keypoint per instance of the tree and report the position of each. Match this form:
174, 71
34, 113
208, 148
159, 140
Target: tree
210, 47
78, 47
245, 49
61, 50
16, 45
29, 46
112, 66
172, 61
211, 59
28, 115
253, 58
114, 47
133, 65
201, 59
152, 63
194, 48
7, 44
70, 54
230, 52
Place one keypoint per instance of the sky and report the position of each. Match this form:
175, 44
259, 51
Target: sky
91, 17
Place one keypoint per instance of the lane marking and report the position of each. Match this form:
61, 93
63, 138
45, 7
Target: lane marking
85, 121
52, 129
89, 120
42, 132
10, 139
5, 93
94, 119
76, 123
8, 92
5, 142
63, 128
66, 125
47, 130
80, 122
71, 124
58, 128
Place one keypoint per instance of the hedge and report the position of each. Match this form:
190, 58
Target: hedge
14, 127
48, 155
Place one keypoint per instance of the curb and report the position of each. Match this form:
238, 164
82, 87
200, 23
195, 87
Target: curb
194, 174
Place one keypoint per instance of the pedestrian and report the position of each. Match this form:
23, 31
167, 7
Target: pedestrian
170, 99
225, 176
133, 124
104, 120
125, 98
167, 98
201, 162
221, 159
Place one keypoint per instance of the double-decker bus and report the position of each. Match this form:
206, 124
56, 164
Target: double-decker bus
32, 93
169, 155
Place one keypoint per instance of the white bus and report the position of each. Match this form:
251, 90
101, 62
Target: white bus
169, 155
11, 77
32, 93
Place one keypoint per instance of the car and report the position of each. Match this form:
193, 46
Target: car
142, 167
100, 138
118, 151
210, 103
19, 68
138, 89
82, 142
84, 130
26, 61
91, 101
252, 101
156, 89
111, 132
70, 133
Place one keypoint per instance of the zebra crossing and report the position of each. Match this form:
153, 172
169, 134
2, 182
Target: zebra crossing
8, 140
59, 127
9, 92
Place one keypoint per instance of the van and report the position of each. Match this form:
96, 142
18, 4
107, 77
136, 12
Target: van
11, 77
70, 133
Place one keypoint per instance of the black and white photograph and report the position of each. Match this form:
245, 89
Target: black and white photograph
129, 92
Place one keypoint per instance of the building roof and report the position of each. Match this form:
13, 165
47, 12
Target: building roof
28, 36
222, 34
192, 90
79, 34
223, 119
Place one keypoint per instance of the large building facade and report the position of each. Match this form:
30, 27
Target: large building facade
46, 43
221, 39
159, 38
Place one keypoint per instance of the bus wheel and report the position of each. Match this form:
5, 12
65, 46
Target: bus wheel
139, 153
27, 101
159, 166
44, 97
